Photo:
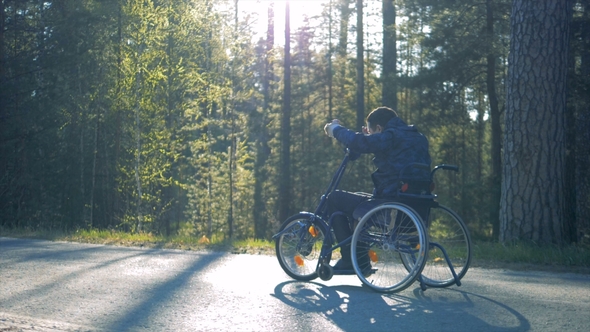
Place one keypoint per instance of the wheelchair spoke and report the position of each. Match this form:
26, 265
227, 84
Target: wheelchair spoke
382, 237
298, 247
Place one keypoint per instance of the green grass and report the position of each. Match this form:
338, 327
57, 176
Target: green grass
112, 237
531, 253
520, 255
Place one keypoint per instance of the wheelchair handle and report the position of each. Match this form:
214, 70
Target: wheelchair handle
453, 168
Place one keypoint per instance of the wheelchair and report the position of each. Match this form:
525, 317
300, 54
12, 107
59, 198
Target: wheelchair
395, 242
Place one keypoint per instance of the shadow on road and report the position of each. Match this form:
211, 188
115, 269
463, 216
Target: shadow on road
43, 250
55, 279
354, 308
64, 266
160, 296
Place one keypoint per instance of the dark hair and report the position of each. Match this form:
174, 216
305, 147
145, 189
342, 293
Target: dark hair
380, 116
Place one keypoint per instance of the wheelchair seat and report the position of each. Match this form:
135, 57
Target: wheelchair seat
367, 206
415, 193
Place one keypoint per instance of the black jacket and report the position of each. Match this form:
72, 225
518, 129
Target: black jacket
395, 147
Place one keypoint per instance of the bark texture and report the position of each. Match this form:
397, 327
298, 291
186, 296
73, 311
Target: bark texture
532, 202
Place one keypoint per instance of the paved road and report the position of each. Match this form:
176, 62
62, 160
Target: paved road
56, 286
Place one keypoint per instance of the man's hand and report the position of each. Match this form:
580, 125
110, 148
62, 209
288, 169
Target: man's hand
329, 127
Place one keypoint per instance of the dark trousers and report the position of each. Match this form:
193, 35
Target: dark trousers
344, 202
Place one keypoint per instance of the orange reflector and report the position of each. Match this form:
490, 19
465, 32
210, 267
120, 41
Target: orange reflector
418, 246
313, 231
299, 261
373, 256
404, 187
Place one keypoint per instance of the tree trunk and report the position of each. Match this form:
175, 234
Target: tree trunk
330, 73
342, 53
532, 203
209, 177
232, 138
262, 149
138, 152
2, 23
119, 105
582, 123
94, 160
496, 128
230, 211
343, 34
360, 68
388, 76
285, 171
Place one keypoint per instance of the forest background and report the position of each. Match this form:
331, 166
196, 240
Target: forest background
178, 117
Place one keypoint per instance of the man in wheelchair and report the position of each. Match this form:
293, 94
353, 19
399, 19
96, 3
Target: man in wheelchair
395, 145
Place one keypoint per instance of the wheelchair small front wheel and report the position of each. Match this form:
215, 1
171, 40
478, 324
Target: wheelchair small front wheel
325, 272
385, 236
299, 246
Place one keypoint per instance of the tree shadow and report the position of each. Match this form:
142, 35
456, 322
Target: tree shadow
359, 308
44, 255
164, 292
40, 250
43, 252
94, 262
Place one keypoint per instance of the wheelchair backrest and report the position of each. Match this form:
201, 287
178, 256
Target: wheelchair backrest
416, 179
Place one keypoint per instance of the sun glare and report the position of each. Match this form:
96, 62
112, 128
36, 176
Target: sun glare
299, 10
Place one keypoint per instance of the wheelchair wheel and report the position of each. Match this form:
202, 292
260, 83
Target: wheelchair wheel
385, 236
298, 248
447, 230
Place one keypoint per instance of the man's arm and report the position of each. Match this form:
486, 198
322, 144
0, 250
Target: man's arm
361, 143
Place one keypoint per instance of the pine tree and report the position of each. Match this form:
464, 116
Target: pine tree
532, 205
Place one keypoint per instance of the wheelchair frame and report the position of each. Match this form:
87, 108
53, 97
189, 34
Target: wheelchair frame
412, 249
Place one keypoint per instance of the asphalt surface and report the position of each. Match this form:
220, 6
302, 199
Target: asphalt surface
58, 286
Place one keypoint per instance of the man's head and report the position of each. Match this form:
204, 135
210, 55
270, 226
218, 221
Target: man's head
378, 118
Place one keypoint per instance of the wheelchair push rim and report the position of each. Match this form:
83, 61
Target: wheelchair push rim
385, 236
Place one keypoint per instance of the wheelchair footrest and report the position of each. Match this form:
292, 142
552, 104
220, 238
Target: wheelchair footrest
352, 272
344, 272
